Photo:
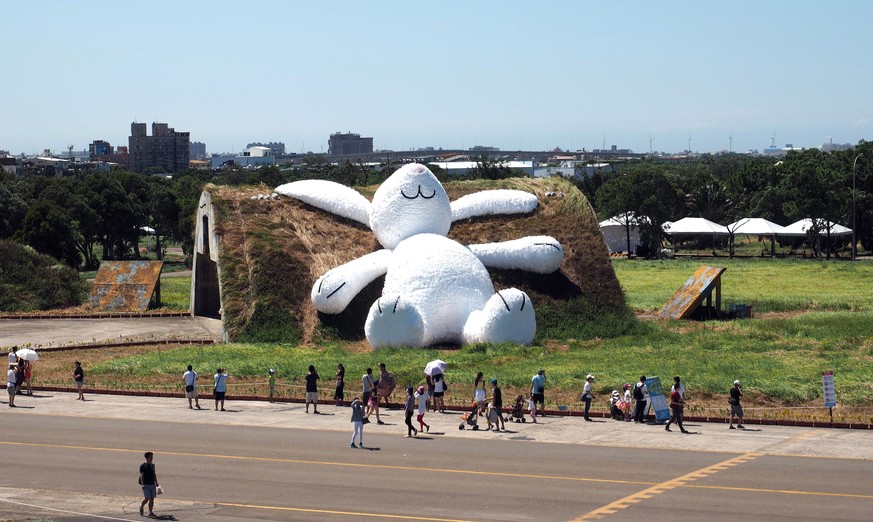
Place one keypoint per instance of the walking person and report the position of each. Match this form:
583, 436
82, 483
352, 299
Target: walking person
271, 381
367, 386
339, 388
640, 394
312, 389
538, 392
479, 388
357, 423
678, 386
386, 383
587, 395
677, 405
220, 380
148, 479
79, 379
409, 409
422, 397
736, 408
497, 403
10, 385
190, 380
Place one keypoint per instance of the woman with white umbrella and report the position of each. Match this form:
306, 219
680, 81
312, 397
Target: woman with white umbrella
434, 370
26, 358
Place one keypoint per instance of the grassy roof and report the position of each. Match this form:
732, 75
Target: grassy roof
272, 251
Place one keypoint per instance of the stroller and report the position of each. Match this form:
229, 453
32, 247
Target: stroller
472, 419
517, 413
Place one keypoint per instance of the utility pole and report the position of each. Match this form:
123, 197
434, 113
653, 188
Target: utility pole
854, 223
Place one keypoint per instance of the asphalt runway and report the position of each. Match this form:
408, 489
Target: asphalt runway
74, 467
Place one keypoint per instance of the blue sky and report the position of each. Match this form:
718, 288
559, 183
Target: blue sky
531, 75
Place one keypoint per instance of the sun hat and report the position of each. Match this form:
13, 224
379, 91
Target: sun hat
736, 382
421, 389
627, 385
589, 376
493, 381
272, 370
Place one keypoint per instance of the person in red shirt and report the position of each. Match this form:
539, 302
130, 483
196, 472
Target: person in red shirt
677, 404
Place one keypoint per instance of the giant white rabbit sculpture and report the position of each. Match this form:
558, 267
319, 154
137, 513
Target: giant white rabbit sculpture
436, 290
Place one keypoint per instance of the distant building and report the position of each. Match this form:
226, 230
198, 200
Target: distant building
346, 144
165, 148
103, 152
780, 151
197, 150
277, 147
251, 157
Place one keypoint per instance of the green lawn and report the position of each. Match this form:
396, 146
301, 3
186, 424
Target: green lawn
769, 285
779, 358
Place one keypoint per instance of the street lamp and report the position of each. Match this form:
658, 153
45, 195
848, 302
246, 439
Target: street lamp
854, 224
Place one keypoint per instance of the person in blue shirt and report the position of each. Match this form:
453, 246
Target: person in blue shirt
220, 379
538, 391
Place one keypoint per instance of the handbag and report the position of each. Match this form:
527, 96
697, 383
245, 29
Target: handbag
189, 387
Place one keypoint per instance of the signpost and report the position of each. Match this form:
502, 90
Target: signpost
657, 400
828, 392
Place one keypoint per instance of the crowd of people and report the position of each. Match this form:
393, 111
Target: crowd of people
632, 403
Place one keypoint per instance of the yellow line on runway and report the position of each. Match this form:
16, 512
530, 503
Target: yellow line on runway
334, 512
341, 464
783, 491
663, 487
655, 488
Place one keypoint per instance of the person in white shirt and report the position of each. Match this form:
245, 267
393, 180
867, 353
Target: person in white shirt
10, 385
13, 359
587, 395
190, 380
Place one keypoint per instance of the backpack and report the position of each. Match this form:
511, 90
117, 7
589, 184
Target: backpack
638, 393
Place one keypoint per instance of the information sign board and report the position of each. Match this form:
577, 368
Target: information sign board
828, 391
657, 399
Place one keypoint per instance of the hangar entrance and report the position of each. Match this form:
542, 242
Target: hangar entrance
207, 300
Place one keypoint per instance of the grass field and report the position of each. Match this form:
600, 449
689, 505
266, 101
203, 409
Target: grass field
778, 357
769, 285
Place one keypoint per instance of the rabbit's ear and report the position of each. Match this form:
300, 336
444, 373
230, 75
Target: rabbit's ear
330, 196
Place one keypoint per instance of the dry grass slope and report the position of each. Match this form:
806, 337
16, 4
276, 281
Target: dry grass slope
273, 251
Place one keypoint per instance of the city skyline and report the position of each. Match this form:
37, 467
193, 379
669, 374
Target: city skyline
511, 75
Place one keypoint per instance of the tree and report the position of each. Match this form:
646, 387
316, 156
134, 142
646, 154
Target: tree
817, 189
49, 230
644, 190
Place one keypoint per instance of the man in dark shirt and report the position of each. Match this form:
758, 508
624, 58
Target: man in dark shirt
149, 480
312, 389
497, 402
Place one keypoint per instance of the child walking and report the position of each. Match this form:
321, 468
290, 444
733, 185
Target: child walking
357, 423
532, 404
410, 408
422, 397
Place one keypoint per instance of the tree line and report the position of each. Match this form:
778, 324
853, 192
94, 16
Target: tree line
69, 216
725, 188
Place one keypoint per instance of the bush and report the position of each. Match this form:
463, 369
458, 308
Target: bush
33, 281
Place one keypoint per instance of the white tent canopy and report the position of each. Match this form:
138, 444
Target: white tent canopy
800, 228
615, 234
755, 227
693, 225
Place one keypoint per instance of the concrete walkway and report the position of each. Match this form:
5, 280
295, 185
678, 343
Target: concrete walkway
775, 440
63, 332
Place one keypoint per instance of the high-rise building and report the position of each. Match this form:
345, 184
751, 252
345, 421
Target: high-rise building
344, 144
197, 150
165, 148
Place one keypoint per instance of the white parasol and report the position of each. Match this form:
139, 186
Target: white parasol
435, 366
27, 354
